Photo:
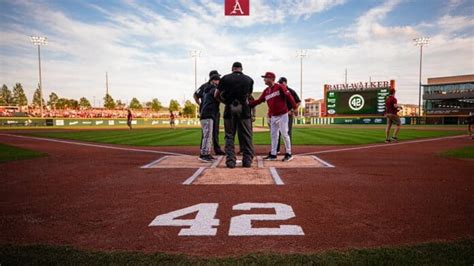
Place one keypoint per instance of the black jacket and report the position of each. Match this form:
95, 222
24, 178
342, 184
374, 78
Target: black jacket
295, 96
236, 87
209, 104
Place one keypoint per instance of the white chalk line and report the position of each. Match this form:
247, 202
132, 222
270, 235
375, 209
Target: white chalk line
276, 177
259, 162
94, 145
380, 145
155, 162
196, 174
217, 162
323, 162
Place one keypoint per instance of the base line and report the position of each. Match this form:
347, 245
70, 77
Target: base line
276, 177
92, 145
380, 145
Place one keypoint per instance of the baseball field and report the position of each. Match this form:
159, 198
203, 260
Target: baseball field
117, 196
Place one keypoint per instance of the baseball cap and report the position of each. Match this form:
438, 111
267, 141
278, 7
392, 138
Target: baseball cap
270, 75
237, 64
215, 77
214, 72
282, 79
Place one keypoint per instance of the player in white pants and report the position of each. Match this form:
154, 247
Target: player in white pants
279, 124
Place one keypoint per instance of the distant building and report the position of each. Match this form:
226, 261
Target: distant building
313, 107
408, 110
449, 95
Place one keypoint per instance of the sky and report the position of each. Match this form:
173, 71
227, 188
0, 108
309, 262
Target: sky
145, 46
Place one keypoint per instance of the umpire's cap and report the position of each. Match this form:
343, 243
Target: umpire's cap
236, 65
282, 79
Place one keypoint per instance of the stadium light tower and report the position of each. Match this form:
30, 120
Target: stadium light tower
422, 41
195, 54
301, 54
38, 41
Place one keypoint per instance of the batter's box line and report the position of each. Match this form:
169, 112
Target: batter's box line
196, 174
323, 162
155, 162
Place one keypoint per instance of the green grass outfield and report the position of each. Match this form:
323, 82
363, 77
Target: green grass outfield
192, 136
462, 153
10, 153
455, 253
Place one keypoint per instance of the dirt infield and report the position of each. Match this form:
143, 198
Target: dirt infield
101, 198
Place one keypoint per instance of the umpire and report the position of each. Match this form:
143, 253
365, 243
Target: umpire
234, 90
291, 113
198, 95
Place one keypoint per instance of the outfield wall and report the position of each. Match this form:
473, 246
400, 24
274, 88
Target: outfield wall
20, 122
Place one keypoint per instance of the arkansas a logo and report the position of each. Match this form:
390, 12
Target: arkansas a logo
237, 7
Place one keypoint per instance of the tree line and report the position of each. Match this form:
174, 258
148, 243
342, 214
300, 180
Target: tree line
17, 97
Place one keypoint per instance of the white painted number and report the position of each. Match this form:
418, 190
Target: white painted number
242, 225
201, 225
204, 222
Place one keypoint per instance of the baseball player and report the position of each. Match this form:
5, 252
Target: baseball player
391, 113
470, 122
276, 96
234, 90
209, 109
172, 118
129, 119
198, 97
292, 112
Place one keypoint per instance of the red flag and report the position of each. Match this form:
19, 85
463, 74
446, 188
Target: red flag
237, 7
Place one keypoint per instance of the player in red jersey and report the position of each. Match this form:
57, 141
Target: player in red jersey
276, 96
129, 119
391, 113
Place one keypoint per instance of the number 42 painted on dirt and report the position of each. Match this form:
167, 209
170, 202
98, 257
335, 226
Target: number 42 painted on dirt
205, 222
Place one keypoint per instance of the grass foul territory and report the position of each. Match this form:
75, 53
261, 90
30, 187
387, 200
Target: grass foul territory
457, 253
461, 153
9, 153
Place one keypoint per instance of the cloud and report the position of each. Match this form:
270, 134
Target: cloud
451, 24
146, 50
307, 8
369, 26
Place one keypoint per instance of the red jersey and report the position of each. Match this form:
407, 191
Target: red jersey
390, 103
276, 97
129, 116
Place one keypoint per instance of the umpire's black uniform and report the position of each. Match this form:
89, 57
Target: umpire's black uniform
234, 90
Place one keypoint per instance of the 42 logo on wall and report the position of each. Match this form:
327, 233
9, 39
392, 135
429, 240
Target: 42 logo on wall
205, 223
356, 102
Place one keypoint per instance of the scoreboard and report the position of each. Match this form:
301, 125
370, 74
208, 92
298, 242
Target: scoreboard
357, 101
